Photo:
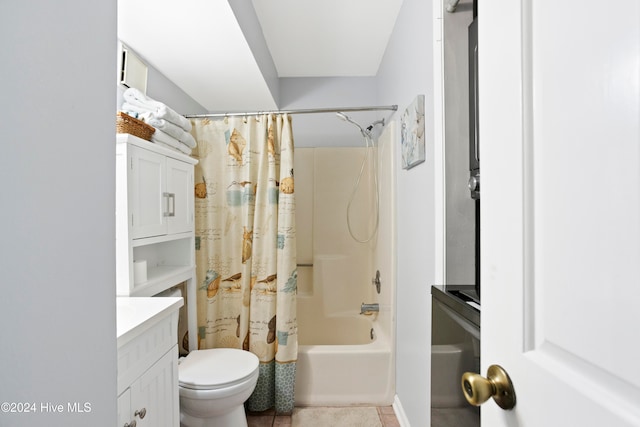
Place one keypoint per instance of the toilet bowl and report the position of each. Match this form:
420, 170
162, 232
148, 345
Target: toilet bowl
448, 363
213, 386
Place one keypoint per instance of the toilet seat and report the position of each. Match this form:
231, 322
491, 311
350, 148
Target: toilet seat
216, 368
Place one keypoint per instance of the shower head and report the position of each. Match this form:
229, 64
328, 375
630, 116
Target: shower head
346, 118
342, 116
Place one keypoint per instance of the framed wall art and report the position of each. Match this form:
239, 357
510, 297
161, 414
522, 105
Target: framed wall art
412, 134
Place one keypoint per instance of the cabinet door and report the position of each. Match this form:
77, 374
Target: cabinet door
148, 202
180, 196
154, 396
124, 408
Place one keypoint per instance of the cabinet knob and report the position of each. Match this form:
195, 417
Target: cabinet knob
131, 424
140, 413
474, 183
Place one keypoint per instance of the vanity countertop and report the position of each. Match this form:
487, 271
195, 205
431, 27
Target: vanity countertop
134, 315
447, 295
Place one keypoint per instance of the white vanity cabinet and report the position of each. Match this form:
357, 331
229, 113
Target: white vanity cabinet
148, 362
155, 222
150, 400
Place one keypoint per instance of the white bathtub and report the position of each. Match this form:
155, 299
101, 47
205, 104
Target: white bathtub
340, 364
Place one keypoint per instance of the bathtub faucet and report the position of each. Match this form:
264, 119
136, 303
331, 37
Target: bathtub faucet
369, 308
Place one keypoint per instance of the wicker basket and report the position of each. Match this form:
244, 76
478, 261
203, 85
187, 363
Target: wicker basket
127, 124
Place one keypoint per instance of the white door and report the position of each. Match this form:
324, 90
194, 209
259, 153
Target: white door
559, 134
124, 408
154, 396
180, 196
148, 204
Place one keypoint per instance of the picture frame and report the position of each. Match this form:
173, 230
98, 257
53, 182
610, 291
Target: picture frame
412, 134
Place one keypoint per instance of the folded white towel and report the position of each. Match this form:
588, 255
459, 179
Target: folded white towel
169, 128
169, 147
141, 103
157, 114
162, 138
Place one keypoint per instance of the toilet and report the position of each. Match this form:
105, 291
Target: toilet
448, 363
213, 386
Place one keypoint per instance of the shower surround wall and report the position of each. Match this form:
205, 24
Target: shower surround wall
339, 362
323, 237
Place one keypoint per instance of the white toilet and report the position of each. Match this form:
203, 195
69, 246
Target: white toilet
213, 386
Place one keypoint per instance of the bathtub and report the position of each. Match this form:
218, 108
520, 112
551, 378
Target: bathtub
344, 361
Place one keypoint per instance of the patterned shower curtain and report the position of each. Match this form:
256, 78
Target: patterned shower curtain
246, 247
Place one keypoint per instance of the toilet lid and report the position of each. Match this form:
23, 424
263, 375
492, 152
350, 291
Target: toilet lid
215, 368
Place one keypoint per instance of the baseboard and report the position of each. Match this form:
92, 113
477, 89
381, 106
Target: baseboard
399, 410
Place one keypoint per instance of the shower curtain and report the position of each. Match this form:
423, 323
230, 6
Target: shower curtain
246, 247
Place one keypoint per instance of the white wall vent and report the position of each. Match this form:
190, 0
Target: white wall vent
132, 71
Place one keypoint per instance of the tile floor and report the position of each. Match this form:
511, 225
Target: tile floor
385, 415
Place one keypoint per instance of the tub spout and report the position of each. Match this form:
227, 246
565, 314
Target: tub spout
369, 308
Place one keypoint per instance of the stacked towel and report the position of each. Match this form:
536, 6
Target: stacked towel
169, 128
172, 129
162, 138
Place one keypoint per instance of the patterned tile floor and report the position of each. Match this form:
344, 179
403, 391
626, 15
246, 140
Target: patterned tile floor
385, 415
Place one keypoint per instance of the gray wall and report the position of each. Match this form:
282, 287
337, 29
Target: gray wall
406, 71
57, 309
164, 90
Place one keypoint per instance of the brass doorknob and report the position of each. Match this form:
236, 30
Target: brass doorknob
498, 385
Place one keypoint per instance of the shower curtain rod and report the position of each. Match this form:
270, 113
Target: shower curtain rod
301, 111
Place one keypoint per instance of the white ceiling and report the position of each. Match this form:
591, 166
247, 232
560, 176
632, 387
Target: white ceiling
328, 38
227, 56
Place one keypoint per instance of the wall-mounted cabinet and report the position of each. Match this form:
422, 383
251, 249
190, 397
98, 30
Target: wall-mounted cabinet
155, 243
161, 193
154, 216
